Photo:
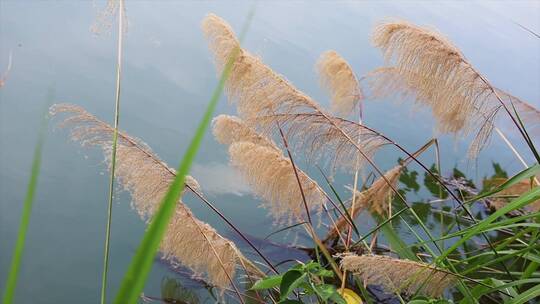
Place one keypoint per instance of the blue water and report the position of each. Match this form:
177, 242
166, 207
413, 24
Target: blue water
168, 78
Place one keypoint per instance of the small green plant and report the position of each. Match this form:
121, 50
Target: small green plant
307, 279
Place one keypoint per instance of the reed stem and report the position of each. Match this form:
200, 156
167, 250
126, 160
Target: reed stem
113, 156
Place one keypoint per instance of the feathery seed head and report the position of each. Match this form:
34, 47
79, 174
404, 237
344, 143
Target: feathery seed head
272, 177
397, 275
147, 179
338, 78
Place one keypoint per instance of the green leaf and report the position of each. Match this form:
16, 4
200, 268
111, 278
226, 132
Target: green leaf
289, 302
291, 280
325, 291
337, 298
11, 282
141, 264
396, 243
267, 283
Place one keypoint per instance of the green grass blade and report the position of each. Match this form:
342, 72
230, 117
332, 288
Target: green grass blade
11, 283
141, 264
396, 243
520, 202
524, 297
527, 173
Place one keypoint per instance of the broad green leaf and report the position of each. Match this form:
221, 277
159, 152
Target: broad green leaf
267, 283
290, 281
325, 291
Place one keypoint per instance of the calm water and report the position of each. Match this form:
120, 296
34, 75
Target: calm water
168, 79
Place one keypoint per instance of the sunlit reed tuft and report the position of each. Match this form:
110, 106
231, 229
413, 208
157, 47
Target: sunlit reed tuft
229, 129
266, 100
221, 37
271, 176
338, 78
442, 78
398, 276
147, 179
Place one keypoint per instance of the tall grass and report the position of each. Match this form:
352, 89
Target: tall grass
113, 152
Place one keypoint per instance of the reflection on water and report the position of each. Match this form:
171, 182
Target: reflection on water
168, 78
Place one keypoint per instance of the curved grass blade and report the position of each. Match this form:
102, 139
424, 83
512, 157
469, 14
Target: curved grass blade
141, 264
531, 196
529, 294
11, 283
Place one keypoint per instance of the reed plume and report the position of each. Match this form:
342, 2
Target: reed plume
263, 97
528, 113
459, 96
271, 176
229, 129
388, 82
338, 78
399, 275
141, 173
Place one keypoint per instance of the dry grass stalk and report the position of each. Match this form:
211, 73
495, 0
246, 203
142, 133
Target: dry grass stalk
147, 179
262, 95
338, 78
399, 275
271, 176
442, 78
